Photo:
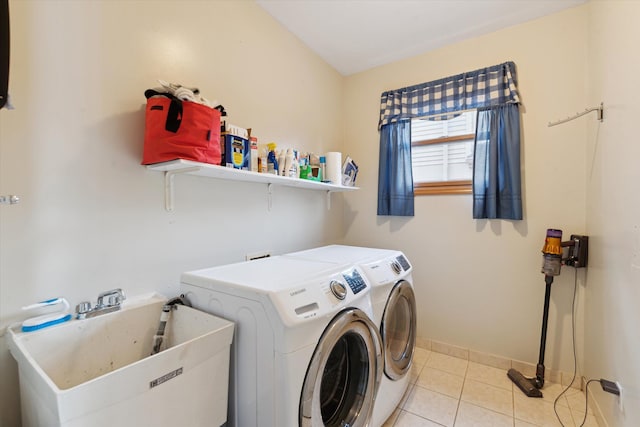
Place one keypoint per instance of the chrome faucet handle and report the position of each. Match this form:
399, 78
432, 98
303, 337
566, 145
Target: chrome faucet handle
112, 297
83, 307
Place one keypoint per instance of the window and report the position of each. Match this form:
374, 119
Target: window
442, 154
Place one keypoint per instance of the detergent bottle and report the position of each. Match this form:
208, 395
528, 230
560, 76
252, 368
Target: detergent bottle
272, 161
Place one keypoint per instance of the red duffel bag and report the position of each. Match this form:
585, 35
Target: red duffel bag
176, 129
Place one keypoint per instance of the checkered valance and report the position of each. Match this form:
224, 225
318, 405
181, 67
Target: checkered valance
485, 87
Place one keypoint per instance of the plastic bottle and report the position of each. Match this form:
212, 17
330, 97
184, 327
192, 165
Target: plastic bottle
262, 167
295, 166
288, 162
281, 162
272, 161
304, 168
323, 163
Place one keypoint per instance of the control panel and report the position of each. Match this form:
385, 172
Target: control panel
355, 281
320, 296
387, 270
403, 262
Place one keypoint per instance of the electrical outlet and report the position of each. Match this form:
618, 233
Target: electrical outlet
610, 386
620, 405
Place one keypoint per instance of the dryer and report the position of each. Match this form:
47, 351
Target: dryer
305, 350
394, 312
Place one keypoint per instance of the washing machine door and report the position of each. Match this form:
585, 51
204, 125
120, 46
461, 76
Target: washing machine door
344, 373
398, 330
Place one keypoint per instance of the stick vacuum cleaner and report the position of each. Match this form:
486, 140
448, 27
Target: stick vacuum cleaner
551, 262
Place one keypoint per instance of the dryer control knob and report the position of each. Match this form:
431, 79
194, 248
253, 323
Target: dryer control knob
396, 267
339, 290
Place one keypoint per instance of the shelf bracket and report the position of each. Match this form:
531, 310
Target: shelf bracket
168, 185
269, 193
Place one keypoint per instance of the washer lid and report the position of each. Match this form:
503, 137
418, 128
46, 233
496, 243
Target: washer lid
299, 290
265, 275
342, 253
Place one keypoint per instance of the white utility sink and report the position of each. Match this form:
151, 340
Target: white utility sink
99, 371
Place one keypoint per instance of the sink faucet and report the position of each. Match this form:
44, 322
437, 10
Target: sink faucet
113, 297
107, 302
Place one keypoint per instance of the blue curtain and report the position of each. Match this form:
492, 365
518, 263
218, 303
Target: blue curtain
395, 176
496, 169
488, 87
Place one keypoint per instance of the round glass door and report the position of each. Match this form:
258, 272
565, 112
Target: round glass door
344, 373
398, 330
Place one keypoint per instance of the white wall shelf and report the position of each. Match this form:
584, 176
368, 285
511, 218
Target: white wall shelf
175, 167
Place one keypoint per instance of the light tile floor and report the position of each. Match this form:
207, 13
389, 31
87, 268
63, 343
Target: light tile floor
447, 391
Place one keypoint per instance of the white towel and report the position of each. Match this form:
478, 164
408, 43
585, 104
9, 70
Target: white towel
185, 94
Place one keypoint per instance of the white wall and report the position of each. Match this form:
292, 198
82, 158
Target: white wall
91, 218
478, 282
612, 317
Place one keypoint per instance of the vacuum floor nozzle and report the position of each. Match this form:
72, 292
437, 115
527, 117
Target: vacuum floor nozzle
527, 385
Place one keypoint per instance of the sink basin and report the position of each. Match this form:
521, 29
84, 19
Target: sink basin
99, 371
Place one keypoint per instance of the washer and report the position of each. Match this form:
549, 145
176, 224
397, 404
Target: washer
305, 350
394, 312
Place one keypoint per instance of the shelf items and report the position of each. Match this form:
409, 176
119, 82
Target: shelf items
178, 167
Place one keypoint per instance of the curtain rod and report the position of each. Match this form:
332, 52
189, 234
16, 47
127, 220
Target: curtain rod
599, 109
452, 113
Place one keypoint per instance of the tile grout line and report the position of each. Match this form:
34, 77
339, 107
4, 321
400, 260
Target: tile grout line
513, 402
456, 418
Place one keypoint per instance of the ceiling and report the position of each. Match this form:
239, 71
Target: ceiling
357, 35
